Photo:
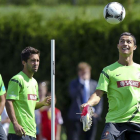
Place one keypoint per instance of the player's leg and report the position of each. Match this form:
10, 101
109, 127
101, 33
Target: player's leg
132, 136
106, 135
32, 138
16, 137
112, 131
2, 133
111, 137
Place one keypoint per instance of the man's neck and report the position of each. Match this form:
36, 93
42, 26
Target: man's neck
126, 61
30, 75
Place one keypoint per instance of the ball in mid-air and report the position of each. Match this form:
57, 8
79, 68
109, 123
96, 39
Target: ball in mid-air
114, 13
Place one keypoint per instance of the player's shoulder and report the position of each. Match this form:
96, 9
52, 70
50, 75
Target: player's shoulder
136, 65
111, 67
18, 76
0, 76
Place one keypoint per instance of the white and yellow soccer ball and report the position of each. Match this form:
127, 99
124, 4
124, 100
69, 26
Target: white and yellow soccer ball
114, 12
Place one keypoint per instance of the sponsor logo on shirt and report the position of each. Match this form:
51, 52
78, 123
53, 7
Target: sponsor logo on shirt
32, 97
128, 83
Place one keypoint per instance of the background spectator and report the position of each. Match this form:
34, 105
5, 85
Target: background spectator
43, 89
80, 90
46, 122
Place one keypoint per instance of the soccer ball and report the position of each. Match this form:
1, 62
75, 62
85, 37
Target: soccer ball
114, 13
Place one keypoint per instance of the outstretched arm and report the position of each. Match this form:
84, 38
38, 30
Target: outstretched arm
94, 99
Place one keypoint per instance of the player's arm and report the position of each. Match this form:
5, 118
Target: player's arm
2, 95
100, 89
2, 103
11, 113
45, 102
94, 99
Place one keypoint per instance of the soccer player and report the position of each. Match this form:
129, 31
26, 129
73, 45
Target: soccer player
121, 82
22, 98
2, 104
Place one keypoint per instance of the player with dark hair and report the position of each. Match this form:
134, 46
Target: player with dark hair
2, 103
26, 53
23, 99
121, 82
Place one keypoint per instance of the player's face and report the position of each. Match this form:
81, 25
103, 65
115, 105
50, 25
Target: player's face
32, 63
126, 45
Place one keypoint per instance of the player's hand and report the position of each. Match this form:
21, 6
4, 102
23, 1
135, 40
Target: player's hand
47, 101
83, 105
19, 130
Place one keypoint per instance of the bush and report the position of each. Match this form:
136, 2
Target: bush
92, 41
74, 2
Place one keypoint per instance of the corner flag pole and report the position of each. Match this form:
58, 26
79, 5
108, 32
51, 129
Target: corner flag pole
52, 89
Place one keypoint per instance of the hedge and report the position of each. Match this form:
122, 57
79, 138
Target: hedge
92, 41
74, 2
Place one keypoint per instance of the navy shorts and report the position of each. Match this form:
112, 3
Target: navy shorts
16, 137
2, 133
121, 131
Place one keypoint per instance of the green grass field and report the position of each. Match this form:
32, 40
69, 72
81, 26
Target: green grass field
67, 12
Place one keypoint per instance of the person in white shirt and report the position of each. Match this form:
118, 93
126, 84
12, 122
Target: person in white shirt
5, 121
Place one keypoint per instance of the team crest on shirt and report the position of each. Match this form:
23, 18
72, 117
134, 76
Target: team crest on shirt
32, 97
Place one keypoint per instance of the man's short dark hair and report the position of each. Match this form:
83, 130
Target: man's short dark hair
27, 52
129, 34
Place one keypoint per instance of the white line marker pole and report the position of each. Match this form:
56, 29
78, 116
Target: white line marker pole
52, 89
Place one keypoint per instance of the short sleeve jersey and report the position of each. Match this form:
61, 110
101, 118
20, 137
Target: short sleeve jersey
122, 85
24, 92
2, 89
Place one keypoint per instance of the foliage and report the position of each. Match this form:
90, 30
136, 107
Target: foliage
74, 2
93, 41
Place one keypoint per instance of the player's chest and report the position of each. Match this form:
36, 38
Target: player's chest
29, 91
126, 77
